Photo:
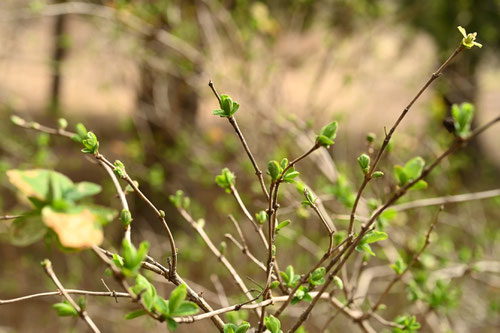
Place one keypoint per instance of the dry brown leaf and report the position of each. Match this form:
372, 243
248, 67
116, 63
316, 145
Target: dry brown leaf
77, 230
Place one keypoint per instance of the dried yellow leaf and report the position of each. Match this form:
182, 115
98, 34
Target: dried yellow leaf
75, 230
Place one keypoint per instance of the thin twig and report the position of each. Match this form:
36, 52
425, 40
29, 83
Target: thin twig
69, 291
232, 121
220, 290
410, 264
447, 199
10, 217
121, 195
337, 250
236, 277
102, 159
249, 216
388, 136
246, 252
459, 142
47, 265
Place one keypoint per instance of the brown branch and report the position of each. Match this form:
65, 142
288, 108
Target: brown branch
447, 199
160, 214
410, 264
103, 161
232, 121
47, 265
10, 217
388, 136
249, 216
69, 291
232, 271
121, 195
304, 277
459, 142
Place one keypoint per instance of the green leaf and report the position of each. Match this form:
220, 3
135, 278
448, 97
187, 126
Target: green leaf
27, 230
126, 217
41, 184
179, 200
117, 260
282, 225
420, 185
16, 120
364, 163
330, 130
133, 258
129, 253
365, 248
219, 113
469, 40
177, 296
338, 282
62, 123
290, 272
342, 190
273, 170
399, 266
229, 328
327, 135
226, 179
90, 143
273, 324
462, 118
82, 190
274, 284
135, 314
146, 291
161, 305
244, 326
81, 133
301, 294
142, 252
284, 163
82, 303
261, 216
389, 214
409, 323
374, 236
414, 167
228, 107
324, 141
401, 176
290, 175
378, 174
103, 215
309, 197
171, 324
185, 309
317, 277
119, 169
65, 309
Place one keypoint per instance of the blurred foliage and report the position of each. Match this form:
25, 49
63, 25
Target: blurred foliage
466, 233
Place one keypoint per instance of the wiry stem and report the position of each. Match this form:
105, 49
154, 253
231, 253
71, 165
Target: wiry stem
233, 123
459, 142
47, 265
388, 136
69, 291
413, 261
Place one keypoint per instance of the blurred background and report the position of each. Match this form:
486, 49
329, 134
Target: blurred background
136, 73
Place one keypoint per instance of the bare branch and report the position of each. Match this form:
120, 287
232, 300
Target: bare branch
47, 265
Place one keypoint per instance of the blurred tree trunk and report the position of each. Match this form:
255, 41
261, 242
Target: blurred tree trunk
59, 51
166, 101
